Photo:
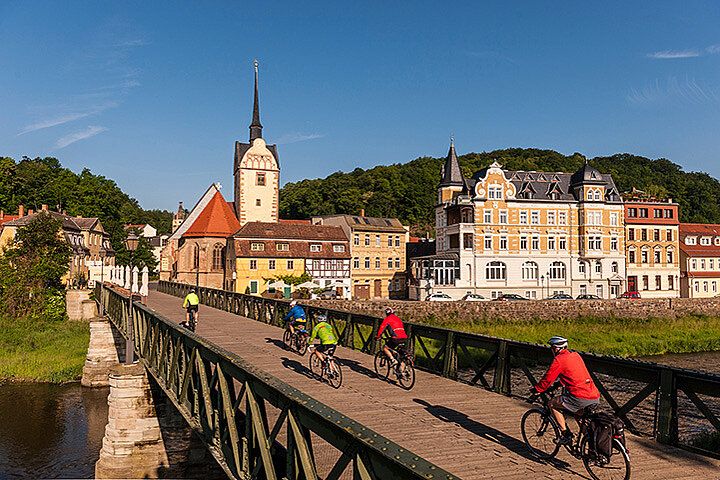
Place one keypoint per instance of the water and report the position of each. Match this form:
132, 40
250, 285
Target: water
51, 431
703, 361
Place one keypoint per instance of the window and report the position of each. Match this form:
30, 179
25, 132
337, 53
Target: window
669, 256
523, 218
551, 243
503, 217
656, 235
217, 257
557, 271
488, 243
614, 244
397, 242
598, 267
356, 239
367, 262
668, 213
523, 243
377, 240
714, 286
258, 203
614, 267
599, 290
594, 218
253, 264
656, 256
487, 216
643, 212
581, 267
367, 240
644, 256
377, 262
390, 262
705, 286
260, 179
631, 234
702, 264
495, 192
590, 195
632, 212
657, 213
694, 264
257, 246
503, 243
551, 218
271, 264
705, 241
316, 247
397, 263
645, 282
668, 235
535, 243
690, 240
535, 218
613, 219
658, 282
562, 243
631, 256
338, 248
196, 256
495, 271
697, 286
356, 263
562, 218
529, 271
253, 286
711, 264
282, 247
671, 285
390, 240
595, 243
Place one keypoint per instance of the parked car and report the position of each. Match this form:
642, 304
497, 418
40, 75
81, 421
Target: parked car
510, 296
630, 295
560, 296
439, 297
474, 297
587, 296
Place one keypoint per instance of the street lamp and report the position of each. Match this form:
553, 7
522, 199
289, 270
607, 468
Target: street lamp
542, 286
131, 244
101, 253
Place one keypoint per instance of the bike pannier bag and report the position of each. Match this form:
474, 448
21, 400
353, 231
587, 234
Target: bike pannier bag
604, 427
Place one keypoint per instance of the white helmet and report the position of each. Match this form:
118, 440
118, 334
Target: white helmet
558, 342
293, 303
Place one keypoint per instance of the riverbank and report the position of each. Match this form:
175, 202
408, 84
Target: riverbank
626, 337
42, 350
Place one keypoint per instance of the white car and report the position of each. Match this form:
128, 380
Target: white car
439, 297
475, 297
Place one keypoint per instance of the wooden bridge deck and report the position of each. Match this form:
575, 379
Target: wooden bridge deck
468, 431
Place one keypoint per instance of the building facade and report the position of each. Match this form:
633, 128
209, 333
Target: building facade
261, 252
377, 248
652, 247
699, 260
530, 233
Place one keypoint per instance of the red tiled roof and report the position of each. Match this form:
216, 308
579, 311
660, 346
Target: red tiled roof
298, 231
216, 220
700, 230
296, 249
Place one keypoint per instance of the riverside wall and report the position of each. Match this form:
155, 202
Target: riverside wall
667, 308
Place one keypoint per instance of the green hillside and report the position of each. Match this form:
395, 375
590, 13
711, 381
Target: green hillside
409, 191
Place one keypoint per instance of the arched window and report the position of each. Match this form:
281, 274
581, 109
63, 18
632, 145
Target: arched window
529, 271
581, 267
589, 195
495, 271
217, 257
196, 256
597, 194
598, 267
557, 271
614, 267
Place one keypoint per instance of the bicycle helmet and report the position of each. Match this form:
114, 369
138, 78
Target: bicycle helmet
321, 318
389, 311
192, 290
558, 342
293, 303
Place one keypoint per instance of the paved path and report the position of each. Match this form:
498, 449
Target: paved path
468, 431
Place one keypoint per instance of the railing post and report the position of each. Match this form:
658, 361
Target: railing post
667, 415
349, 334
450, 357
374, 343
502, 370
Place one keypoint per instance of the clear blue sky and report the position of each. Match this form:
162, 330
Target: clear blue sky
154, 94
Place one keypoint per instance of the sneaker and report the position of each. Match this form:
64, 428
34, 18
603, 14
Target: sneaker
565, 438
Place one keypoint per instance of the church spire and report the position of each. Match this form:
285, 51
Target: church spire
255, 126
451, 173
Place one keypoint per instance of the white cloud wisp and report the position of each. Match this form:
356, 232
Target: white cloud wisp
63, 142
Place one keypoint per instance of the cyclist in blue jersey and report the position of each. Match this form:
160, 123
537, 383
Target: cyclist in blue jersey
295, 317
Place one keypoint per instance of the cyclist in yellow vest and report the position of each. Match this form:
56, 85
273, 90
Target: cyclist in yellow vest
191, 304
328, 342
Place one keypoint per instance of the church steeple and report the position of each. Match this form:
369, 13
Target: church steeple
451, 173
255, 126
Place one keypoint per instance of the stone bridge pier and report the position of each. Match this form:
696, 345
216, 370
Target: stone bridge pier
146, 436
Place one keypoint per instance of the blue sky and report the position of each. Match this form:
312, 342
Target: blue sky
154, 94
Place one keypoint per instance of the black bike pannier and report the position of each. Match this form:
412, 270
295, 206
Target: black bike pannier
603, 428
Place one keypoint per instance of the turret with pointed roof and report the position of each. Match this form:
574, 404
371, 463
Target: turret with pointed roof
451, 181
256, 126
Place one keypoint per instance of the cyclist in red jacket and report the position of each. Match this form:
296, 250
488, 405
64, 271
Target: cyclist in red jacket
398, 337
574, 375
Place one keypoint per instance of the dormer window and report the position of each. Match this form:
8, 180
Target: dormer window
257, 246
315, 247
589, 195
690, 241
717, 241
705, 241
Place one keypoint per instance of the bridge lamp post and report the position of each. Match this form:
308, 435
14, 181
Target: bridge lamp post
102, 253
542, 286
131, 244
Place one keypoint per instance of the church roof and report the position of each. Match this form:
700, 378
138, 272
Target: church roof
215, 220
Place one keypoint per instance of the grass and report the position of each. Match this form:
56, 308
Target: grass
42, 351
708, 440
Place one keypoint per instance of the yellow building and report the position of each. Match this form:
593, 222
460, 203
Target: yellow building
699, 260
529, 233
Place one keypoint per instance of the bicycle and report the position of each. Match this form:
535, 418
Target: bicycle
192, 324
406, 377
297, 341
329, 368
541, 433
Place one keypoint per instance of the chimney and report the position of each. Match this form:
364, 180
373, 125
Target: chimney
44, 207
78, 216
30, 212
362, 212
21, 211
64, 213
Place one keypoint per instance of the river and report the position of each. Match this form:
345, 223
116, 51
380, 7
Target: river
51, 431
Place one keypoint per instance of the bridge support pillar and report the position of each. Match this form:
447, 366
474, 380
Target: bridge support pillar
106, 350
146, 437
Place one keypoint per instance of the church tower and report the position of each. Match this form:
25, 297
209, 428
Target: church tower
257, 173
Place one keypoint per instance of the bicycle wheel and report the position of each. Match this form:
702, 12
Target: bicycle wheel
193, 321
315, 366
334, 373
301, 343
617, 467
406, 377
539, 433
287, 339
382, 365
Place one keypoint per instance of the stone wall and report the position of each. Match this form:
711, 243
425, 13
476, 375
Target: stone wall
669, 308
79, 306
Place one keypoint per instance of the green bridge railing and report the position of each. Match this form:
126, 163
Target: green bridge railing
227, 402
670, 396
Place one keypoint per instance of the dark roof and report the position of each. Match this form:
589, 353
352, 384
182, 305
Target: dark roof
587, 174
451, 173
369, 223
290, 231
299, 248
256, 126
68, 223
241, 148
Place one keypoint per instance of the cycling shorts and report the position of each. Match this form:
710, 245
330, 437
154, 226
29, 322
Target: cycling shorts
395, 343
192, 308
328, 348
574, 404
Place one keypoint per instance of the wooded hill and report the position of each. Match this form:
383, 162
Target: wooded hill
409, 191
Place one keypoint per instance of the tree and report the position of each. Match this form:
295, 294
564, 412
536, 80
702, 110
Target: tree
32, 267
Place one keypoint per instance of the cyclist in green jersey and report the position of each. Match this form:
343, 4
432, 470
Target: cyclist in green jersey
191, 304
328, 342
